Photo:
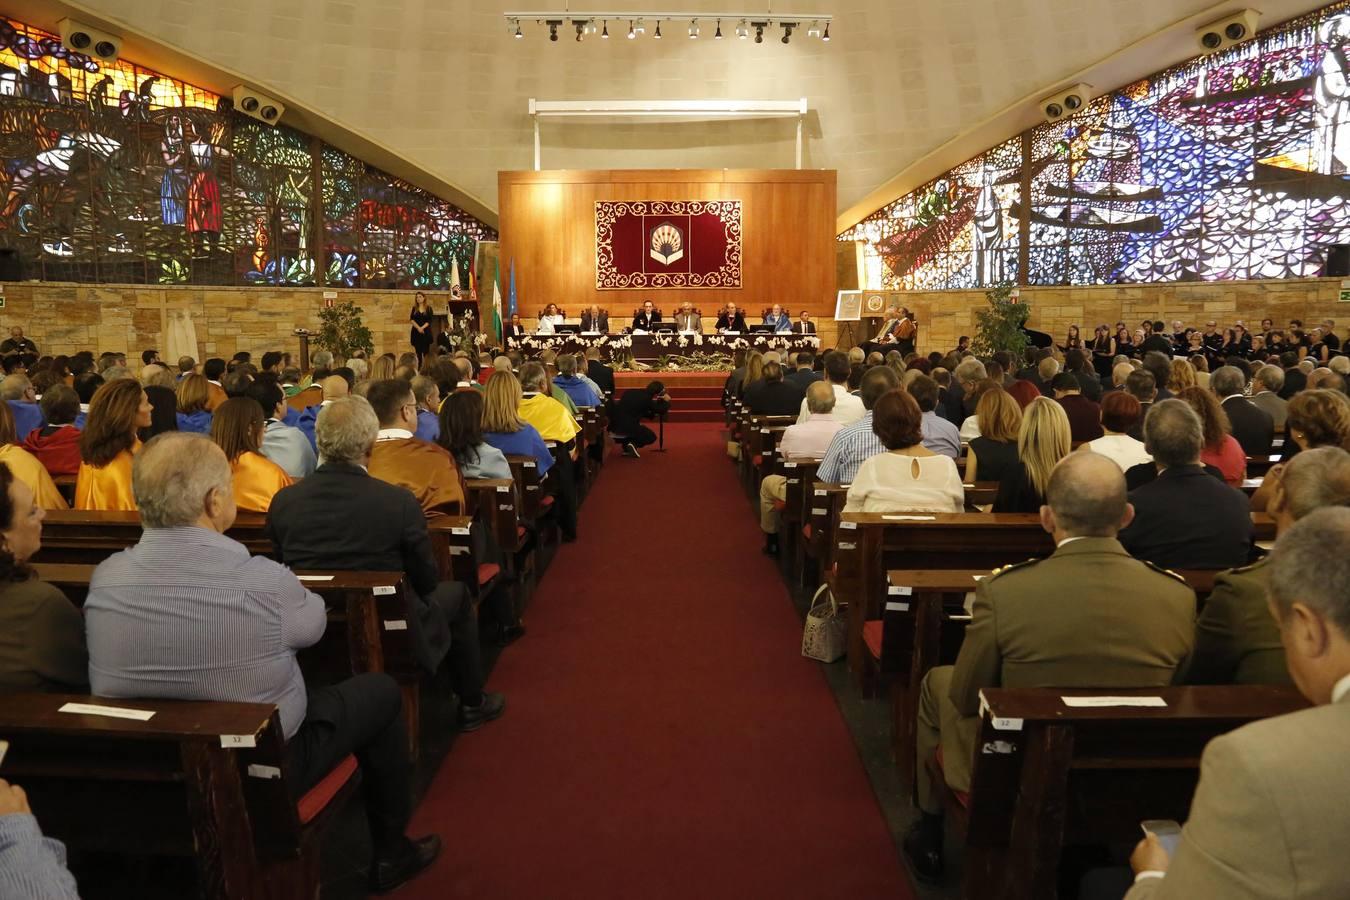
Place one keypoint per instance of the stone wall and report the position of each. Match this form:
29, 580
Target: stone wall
64, 318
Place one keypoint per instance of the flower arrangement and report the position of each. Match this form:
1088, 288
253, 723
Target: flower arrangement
460, 333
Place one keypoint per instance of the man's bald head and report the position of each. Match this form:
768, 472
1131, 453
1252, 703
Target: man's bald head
1120, 372
335, 387
173, 479
820, 397
1086, 496
16, 387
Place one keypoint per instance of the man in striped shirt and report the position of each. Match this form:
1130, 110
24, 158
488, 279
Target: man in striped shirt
854, 443
188, 614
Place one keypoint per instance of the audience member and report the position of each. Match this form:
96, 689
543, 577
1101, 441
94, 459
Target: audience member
1185, 518
237, 428
107, 445
1159, 365
553, 422
598, 372
1269, 817
1028, 627
335, 387
909, 476
579, 389
1221, 449
966, 376
1042, 441
32, 867
41, 631
1236, 639
17, 391
188, 613
1318, 418
341, 517
805, 373
503, 427
194, 396
425, 469
856, 442
1252, 427
939, 435
993, 453
771, 395
57, 444
1084, 416
283, 444
462, 434
806, 440
1120, 414
26, 467
1266, 386
213, 370
427, 393
847, 408
1182, 377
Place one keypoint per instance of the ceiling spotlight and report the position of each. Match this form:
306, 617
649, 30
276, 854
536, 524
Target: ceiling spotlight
581, 30
742, 31
826, 35
718, 35
590, 26
787, 32
641, 29
518, 34
553, 31
693, 28
814, 30
657, 36
631, 33
269, 113
759, 32
605, 34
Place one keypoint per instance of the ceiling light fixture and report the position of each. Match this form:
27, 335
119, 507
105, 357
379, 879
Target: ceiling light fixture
826, 36
815, 25
605, 34
718, 35
759, 32
657, 36
814, 30
693, 29
742, 31
581, 30
631, 33
787, 32
518, 34
641, 28
553, 31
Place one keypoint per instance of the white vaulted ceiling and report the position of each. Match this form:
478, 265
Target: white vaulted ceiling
906, 88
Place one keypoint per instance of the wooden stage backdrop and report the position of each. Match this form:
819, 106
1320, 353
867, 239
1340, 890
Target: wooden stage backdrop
787, 224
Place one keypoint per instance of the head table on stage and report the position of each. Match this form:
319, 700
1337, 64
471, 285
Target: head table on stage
652, 347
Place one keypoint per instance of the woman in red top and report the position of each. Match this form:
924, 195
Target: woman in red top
1221, 450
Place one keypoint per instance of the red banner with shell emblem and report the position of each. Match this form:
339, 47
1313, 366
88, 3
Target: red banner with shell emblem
668, 244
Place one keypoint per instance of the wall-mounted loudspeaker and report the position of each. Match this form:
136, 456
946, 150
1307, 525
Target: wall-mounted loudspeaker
1231, 29
258, 105
92, 42
1066, 102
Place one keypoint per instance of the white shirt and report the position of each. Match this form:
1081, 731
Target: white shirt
847, 408
393, 434
1121, 449
887, 483
1340, 689
970, 429
545, 325
809, 439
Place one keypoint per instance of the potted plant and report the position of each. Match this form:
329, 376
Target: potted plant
1000, 326
341, 331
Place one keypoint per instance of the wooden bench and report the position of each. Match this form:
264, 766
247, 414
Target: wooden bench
201, 779
1045, 772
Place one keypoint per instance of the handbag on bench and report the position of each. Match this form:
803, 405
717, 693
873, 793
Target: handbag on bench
825, 633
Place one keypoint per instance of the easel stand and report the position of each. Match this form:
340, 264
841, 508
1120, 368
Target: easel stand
846, 329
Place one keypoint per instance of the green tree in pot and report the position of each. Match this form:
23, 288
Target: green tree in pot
341, 330
1000, 326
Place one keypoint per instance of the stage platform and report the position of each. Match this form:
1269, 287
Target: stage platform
695, 396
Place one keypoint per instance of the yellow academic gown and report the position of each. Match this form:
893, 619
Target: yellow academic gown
26, 468
426, 469
107, 487
256, 481
549, 417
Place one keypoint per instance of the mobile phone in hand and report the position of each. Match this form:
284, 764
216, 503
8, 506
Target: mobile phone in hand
1167, 831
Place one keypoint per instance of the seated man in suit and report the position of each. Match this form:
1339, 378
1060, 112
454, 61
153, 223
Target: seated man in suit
805, 440
647, 317
400, 457
804, 325
778, 320
688, 321
514, 328
731, 319
1087, 616
598, 372
1236, 640
636, 404
1269, 818
1185, 518
595, 320
342, 518
805, 373
1266, 386
773, 395
1253, 427
233, 635
1085, 417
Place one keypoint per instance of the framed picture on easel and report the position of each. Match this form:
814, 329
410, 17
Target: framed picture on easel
847, 310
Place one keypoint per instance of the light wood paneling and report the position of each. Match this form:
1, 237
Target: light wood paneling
787, 236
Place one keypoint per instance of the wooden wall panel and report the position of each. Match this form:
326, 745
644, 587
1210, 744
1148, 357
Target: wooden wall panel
787, 236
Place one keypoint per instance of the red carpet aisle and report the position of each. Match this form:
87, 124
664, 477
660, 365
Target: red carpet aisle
663, 736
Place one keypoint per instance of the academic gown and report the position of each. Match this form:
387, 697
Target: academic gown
27, 468
256, 481
107, 487
427, 470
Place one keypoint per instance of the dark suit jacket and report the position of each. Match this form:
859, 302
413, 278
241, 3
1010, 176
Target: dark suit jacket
1155, 342
737, 324
1252, 426
782, 398
601, 374
342, 518
1090, 385
800, 327
643, 323
509, 330
601, 326
1085, 417
634, 406
1294, 381
803, 378
1186, 519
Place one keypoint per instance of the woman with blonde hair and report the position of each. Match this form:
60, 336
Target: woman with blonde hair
1201, 365
503, 427
754, 371
1220, 449
1182, 377
26, 467
194, 397
383, 368
108, 443
993, 453
238, 430
1042, 441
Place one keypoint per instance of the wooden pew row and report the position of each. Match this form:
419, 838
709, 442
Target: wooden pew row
868, 544
206, 780
922, 625
1045, 772
367, 629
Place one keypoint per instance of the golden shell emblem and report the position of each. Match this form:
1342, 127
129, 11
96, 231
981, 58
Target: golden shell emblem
667, 244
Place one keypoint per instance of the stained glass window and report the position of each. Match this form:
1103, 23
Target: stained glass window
1231, 166
116, 173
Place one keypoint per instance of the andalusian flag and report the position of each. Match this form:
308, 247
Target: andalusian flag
497, 306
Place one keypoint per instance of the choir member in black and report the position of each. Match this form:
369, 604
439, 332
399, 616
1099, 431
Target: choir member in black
420, 319
1103, 354
1124, 343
